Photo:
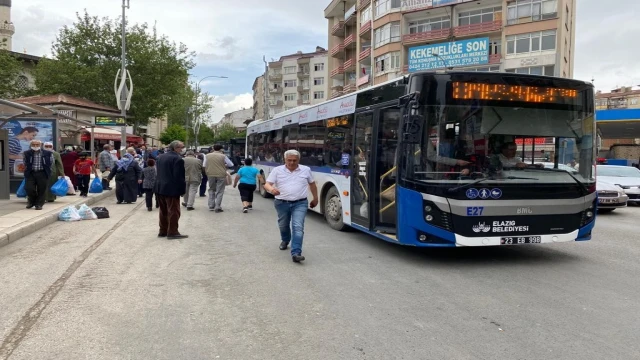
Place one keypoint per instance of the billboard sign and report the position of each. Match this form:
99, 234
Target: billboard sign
437, 3
451, 54
110, 121
410, 5
21, 132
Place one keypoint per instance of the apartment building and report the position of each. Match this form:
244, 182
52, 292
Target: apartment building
296, 80
372, 41
238, 119
258, 98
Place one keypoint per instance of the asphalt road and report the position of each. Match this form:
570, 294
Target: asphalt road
110, 289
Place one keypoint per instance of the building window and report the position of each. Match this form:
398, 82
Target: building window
531, 10
495, 47
305, 84
566, 19
305, 97
290, 97
304, 69
534, 70
318, 95
387, 34
387, 63
318, 67
290, 70
486, 69
634, 101
438, 23
480, 16
531, 42
22, 82
318, 81
366, 15
385, 6
290, 83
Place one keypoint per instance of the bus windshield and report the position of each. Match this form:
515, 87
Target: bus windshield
478, 136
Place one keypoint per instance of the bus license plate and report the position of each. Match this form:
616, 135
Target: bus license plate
517, 240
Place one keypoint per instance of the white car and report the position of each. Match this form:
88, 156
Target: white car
610, 197
626, 177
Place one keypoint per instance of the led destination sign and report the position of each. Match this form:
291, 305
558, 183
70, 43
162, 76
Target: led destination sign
534, 94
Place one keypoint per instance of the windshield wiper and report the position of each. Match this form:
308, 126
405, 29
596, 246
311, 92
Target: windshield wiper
583, 187
464, 186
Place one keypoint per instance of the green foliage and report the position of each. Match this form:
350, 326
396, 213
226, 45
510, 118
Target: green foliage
173, 132
10, 69
206, 136
87, 56
185, 108
225, 132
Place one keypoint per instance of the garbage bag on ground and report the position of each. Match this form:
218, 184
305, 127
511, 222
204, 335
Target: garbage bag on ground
96, 186
60, 188
22, 192
70, 190
101, 212
86, 213
69, 214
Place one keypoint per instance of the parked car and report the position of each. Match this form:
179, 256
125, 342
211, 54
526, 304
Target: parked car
610, 196
626, 177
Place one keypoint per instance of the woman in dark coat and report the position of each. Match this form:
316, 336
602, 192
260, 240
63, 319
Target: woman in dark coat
68, 159
128, 175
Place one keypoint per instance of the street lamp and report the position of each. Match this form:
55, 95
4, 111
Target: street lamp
196, 127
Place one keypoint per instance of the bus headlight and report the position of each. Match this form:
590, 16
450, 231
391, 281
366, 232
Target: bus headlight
434, 216
429, 218
427, 208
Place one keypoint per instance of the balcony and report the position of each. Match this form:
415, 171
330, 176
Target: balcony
495, 59
337, 72
304, 60
303, 102
426, 36
275, 76
364, 54
335, 94
349, 42
275, 64
337, 50
349, 65
363, 4
303, 74
275, 103
474, 29
350, 16
338, 29
365, 30
349, 88
303, 88
363, 80
275, 91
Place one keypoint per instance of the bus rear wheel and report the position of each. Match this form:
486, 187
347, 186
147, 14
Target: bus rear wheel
333, 210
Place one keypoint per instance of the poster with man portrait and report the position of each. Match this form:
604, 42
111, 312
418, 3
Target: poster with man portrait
21, 132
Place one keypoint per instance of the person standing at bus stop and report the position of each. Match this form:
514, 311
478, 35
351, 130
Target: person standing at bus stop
290, 184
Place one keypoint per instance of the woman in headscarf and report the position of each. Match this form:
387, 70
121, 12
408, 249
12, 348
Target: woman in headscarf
128, 175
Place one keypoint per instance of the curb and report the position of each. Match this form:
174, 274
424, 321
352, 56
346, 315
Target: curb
30, 226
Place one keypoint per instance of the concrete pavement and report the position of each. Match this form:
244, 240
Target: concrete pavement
110, 289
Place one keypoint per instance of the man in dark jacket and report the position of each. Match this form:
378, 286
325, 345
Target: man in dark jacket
38, 164
170, 186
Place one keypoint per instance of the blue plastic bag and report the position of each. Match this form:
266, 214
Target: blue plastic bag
96, 186
60, 187
22, 192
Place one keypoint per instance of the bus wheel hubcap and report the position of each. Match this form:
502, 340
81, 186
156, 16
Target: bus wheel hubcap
334, 208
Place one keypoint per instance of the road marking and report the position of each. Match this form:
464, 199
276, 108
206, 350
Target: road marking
22, 328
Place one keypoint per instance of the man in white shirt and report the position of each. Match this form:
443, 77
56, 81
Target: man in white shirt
290, 184
507, 158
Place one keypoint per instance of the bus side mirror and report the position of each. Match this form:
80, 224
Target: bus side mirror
412, 129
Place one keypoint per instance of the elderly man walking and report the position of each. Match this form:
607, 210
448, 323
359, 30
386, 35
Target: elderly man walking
38, 164
105, 162
216, 164
169, 187
193, 177
290, 184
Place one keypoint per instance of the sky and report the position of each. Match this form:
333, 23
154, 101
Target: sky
231, 37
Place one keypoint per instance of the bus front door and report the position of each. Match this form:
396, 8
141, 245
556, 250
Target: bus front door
384, 188
361, 170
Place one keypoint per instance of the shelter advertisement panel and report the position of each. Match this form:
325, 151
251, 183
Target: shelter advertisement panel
21, 132
451, 54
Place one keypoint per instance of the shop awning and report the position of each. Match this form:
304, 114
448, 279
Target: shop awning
109, 134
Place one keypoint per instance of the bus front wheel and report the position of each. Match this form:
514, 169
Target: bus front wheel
333, 210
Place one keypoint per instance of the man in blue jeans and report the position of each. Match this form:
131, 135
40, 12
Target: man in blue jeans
290, 184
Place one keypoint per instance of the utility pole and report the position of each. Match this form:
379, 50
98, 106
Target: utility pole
196, 116
123, 94
266, 89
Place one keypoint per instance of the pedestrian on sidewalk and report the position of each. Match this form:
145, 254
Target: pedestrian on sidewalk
38, 164
83, 168
203, 184
57, 169
193, 177
217, 164
170, 186
128, 175
149, 174
105, 163
68, 160
290, 184
246, 182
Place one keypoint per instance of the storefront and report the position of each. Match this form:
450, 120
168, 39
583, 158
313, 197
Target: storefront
103, 136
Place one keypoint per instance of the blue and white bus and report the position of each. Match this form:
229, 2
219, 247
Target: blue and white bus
447, 158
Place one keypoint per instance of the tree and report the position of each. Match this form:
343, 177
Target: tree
10, 69
173, 132
206, 136
225, 132
87, 56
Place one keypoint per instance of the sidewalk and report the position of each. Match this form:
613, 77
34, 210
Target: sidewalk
16, 221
